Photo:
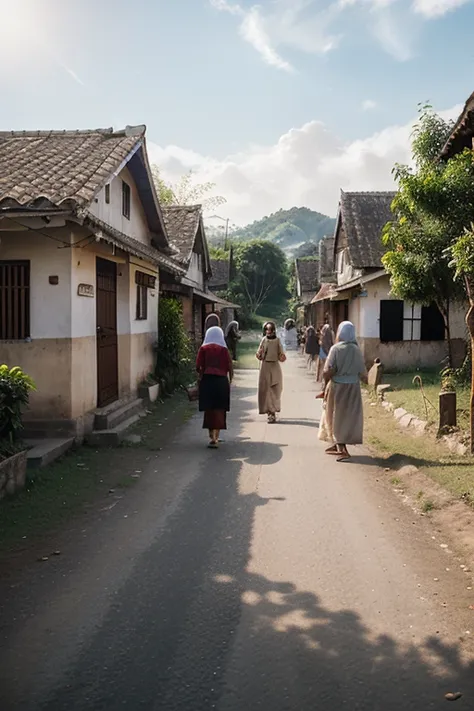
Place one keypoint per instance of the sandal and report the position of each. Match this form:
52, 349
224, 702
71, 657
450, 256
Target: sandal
332, 450
213, 445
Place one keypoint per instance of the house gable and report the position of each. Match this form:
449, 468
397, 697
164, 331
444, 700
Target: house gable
187, 237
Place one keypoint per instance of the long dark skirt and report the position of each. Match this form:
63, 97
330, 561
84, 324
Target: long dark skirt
214, 401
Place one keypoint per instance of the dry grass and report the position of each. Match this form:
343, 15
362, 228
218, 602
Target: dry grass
408, 395
397, 447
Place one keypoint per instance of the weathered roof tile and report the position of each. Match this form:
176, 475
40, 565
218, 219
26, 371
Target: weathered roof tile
61, 166
364, 215
307, 271
182, 224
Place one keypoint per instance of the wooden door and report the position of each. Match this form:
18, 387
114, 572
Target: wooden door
107, 355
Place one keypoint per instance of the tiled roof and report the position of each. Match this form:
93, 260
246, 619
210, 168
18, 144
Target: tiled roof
326, 259
462, 133
220, 273
364, 216
326, 292
57, 168
307, 271
182, 223
132, 246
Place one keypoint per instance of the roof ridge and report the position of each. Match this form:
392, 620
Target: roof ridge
128, 131
368, 192
182, 207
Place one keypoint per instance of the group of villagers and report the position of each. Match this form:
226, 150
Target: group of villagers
339, 359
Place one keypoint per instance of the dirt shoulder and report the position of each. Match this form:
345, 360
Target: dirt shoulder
73, 486
432, 481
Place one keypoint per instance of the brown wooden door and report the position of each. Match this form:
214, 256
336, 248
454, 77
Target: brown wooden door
107, 356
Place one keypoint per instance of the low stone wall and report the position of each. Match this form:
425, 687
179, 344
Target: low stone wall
12, 474
406, 355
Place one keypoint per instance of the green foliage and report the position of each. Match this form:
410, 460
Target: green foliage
308, 250
434, 203
174, 352
462, 255
288, 228
261, 275
218, 252
15, 387
186, 191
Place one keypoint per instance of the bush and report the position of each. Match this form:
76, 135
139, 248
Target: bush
15, 387
174, 351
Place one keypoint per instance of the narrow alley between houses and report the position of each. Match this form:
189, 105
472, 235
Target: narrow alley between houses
264, 575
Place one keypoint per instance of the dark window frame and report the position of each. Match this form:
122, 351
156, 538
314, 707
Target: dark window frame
126, 199
142, 303
107, 194
15, 300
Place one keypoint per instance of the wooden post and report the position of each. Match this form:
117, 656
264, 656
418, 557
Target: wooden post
447, 410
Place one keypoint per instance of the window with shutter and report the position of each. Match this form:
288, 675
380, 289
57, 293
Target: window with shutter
14, 300
432, 324
391, 320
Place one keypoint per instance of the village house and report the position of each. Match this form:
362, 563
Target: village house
326, 279
307, 281
187, 236
222, 271
401, 334
82, 243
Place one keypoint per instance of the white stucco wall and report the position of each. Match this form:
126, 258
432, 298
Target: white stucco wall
195, 270
136, 226
364, 311
50, 305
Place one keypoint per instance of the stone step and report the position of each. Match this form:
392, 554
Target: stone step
113, 436
44, 451
111, 417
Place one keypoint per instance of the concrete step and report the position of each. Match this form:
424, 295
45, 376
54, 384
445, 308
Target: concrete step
111, 437
44, 451
112, 416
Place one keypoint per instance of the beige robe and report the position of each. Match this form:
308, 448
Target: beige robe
270, 382
343, 417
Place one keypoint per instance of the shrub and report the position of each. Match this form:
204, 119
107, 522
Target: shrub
15, 387
174, 351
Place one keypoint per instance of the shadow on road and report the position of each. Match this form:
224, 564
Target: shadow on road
192, 629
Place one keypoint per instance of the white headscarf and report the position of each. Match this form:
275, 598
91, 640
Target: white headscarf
232, 324
215, 336
346, 333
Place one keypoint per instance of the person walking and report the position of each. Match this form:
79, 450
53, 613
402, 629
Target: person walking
311, 347
291, 335
342, 422
211, 320
270, 383
232, 336
326, 342
215, 373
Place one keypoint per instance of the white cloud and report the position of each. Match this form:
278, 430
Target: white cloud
307, 166
437, 8
369, 105
287, 25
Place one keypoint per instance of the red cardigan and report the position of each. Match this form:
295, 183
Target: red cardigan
213, 360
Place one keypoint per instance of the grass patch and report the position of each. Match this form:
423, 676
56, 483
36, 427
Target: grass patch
246, 355
395, 481
396, 447
428, 506
72, 484
409, 396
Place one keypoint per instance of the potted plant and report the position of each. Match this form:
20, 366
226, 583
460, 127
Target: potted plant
15, 387
149, 390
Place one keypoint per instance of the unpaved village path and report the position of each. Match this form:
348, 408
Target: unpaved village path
264, 576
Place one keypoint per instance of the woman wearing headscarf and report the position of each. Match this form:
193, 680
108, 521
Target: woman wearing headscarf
326, 341
270, 383
291, 335
232, 335
343, 419
214, 367
311, 347
211, 320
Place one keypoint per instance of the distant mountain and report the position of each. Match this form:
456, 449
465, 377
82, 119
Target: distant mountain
289, 229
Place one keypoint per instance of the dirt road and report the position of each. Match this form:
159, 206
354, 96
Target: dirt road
262, 576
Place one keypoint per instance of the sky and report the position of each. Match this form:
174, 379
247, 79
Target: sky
280, 103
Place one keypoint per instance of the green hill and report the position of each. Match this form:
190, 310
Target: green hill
289, 229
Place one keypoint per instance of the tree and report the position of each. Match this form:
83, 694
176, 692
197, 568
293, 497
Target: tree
433, 204
186, 191
261, 274
462, 253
